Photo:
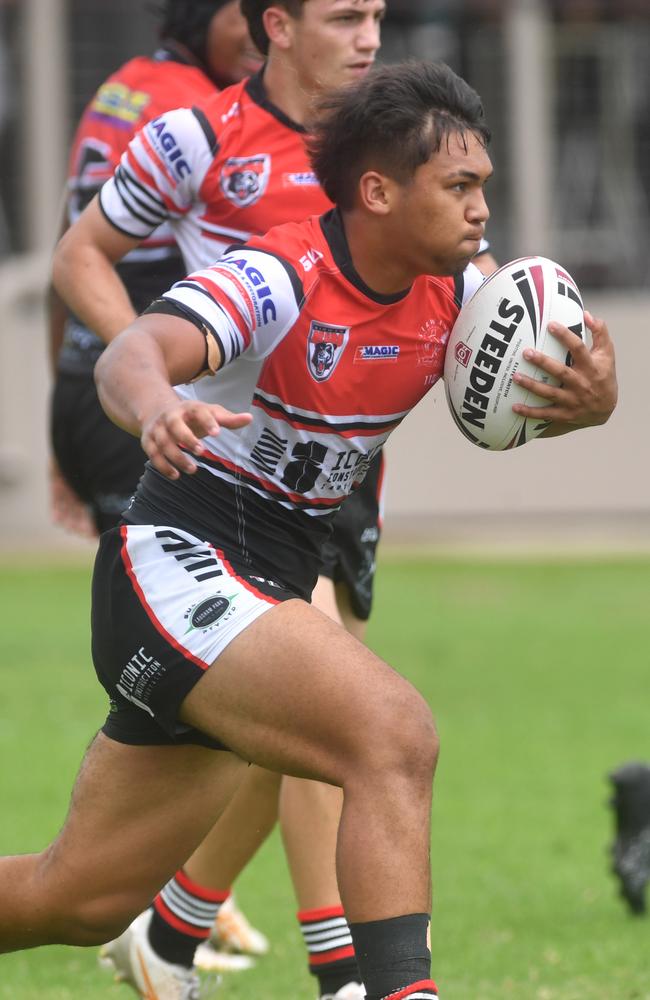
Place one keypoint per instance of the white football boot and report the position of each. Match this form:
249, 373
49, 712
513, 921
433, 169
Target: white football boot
351, 991
134, 961
232, 932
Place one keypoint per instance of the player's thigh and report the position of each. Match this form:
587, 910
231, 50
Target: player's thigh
136, 814
297, 693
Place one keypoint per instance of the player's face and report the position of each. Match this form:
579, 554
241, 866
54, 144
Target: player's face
441, 214
334, 42
231, 54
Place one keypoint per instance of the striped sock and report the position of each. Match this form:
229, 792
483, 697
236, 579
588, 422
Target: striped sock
183, 915
329, 945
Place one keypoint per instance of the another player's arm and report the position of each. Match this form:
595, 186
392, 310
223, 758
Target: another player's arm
135, 377
83, 272
587, 393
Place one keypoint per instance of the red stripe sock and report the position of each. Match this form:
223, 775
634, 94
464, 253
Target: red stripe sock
183, 915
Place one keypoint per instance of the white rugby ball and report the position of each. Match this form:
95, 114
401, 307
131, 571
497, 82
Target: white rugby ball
509, 312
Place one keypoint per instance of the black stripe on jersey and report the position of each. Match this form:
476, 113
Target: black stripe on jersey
336, 426
267, 489
144, 196
459, 289
169, 308
196, 287
331, 224
149, 217
208, 131
256, 90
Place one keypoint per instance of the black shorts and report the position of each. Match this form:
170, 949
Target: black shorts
165, 604
349, 556
100, 461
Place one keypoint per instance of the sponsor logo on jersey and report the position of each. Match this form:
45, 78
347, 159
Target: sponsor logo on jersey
301, 178
325, 345
116, 100
463, 354
244, 179
376, 352
432, 341
167, 145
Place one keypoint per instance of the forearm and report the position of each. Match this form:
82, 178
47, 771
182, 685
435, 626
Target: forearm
91, 287
56, 316
133, 381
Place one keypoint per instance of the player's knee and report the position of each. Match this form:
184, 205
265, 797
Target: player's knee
405, 743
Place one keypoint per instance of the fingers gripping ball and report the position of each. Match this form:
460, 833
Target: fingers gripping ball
508, 313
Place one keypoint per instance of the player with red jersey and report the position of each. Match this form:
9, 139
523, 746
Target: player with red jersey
218, 173
204, 45
206, 642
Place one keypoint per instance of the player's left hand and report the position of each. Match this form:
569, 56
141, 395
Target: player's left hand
587, 393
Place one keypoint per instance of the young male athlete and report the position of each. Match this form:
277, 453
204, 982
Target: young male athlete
239, 166
202, 631
204, 44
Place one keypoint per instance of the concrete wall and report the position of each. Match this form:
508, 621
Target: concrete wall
589, 489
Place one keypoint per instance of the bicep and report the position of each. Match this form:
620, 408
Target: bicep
94, 233
182, 345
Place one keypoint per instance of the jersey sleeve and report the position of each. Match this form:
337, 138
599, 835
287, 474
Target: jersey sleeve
159, 174
467, 283
247, 301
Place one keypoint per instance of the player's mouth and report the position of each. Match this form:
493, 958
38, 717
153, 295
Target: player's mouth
360, 68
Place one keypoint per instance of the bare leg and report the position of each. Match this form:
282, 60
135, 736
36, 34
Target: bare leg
239, 832
321, 705
136, 814
310, 811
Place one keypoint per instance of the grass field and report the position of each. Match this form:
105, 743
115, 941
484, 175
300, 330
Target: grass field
538, 675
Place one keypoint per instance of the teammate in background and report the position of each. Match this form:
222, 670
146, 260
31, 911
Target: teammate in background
204, 45
631, 847
243, 167
216, 559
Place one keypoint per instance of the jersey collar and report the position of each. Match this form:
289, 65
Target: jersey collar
334, 232
256, 90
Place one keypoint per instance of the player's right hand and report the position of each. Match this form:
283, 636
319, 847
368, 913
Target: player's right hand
172, 435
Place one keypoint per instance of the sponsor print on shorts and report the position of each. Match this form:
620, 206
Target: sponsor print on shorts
190, 592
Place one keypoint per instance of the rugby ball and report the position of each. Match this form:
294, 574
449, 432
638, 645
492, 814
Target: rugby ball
508, 313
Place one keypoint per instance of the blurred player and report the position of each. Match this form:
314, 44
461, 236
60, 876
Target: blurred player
204, 44
202, 633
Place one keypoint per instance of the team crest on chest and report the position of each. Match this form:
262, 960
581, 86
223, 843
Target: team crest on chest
325, 345
244, 178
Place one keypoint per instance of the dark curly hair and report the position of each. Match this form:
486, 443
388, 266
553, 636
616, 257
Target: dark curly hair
393, 121
186, 21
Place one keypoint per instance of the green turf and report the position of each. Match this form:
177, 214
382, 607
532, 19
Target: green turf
537, 674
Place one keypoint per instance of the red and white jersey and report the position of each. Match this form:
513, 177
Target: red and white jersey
139, 90
327, 366
234, 167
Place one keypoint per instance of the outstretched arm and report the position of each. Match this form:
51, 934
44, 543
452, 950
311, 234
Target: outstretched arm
135, 377
587, 393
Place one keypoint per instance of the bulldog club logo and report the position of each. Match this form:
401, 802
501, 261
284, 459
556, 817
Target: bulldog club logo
244, 178
325, 345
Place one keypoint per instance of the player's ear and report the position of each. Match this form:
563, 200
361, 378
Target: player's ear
278, 25
375, 192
